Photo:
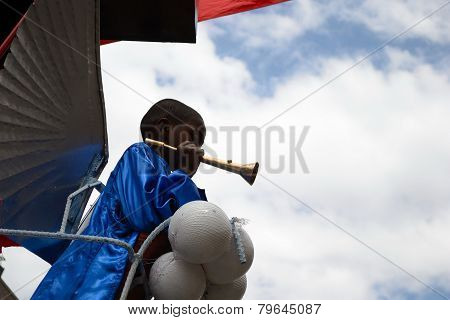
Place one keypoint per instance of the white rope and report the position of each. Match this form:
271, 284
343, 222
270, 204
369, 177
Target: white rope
68, 236
238, 240
138, 256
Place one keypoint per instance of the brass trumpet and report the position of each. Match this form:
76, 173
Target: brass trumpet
247, 171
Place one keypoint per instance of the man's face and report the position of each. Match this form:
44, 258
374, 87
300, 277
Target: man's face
187, 139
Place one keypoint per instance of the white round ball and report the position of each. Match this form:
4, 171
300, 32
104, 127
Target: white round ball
199, 232
229, 291
172, 279
228, 267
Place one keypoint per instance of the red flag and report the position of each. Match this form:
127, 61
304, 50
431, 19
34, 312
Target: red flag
5, 45
210, 9
207, 9
5, 243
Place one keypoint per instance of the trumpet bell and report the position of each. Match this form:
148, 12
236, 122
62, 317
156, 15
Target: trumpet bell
249, 172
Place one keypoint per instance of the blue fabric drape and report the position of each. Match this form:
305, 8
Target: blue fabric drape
141, 193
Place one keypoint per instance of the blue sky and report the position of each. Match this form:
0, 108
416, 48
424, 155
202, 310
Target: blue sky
335, 37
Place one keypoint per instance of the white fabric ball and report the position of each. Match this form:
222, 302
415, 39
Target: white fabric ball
199, 232
228, 267
229, 291
172, 279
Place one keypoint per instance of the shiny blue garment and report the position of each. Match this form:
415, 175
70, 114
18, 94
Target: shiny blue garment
141, 193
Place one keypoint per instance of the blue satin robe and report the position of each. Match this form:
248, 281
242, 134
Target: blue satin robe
141, 193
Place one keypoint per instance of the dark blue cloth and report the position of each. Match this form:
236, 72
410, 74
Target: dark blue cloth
141, 193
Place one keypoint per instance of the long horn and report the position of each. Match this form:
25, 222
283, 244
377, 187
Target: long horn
247, 171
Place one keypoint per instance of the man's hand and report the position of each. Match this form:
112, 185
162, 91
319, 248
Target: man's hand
189, 155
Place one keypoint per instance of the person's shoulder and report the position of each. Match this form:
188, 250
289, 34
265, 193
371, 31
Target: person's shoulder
140, 148
144, 152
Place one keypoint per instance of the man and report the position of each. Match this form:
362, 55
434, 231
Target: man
146, 187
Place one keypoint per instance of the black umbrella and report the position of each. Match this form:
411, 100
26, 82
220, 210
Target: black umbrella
52, 119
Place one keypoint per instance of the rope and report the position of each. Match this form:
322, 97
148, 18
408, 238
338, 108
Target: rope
138, 257
238, 240
66, 236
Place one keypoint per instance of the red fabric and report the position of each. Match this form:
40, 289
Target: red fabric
7, 43
210, 9
5, 243
207, 9
102, 42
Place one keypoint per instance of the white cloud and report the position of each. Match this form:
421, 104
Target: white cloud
269, 28
378, 151
274, 29
391, 17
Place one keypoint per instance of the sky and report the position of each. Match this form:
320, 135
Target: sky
352, 198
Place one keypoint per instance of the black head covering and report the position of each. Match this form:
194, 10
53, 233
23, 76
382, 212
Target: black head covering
175, 112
